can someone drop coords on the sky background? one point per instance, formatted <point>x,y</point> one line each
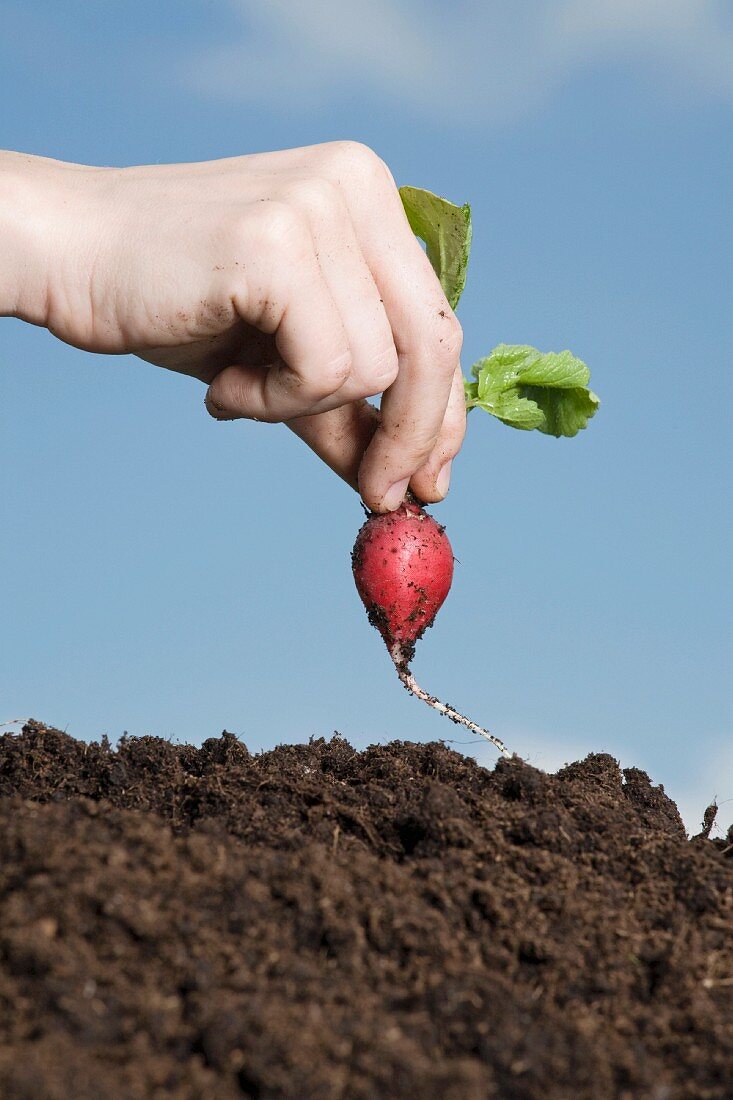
<point>162,573</point>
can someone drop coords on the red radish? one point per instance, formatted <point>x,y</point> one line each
<point>403,568</point>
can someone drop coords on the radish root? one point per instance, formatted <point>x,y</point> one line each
<point>403,671</point>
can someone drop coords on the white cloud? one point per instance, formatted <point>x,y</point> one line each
<point>482,60</point>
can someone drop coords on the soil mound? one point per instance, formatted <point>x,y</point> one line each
<point>316,922</point>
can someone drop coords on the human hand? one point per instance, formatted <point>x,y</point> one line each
<point>289,282</point>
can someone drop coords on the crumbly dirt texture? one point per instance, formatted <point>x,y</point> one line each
<point>316,922</point>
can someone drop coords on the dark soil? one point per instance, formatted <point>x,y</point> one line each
<point>320,923</point>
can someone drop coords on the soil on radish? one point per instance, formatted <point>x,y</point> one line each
<point>316,922</point>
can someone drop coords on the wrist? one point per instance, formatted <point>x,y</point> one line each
<point>37,231</point>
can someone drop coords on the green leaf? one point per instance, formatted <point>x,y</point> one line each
<point>559,370</point>
<point>446,230</point>
<point>518,384</point>
<point>526,389</point>
<point>565,411</point>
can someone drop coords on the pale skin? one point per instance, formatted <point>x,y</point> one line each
<point>289,283</point>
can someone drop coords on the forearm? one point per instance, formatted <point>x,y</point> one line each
<point>22,263</point>
<point>36,230</point>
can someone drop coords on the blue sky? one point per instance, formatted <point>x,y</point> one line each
<point>162,573</point>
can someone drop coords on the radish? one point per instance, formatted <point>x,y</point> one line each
<point>403,568</point>
<point>402,561</point>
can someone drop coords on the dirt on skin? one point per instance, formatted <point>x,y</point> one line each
<point>317,922</point>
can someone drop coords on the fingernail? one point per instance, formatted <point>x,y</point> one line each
<point>442,481</point>
<point>395,495</point>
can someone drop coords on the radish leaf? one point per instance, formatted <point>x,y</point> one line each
<point>527,389</point>
<point>446,230</point>
<point>517,384</point>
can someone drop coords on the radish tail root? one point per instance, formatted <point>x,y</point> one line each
<point>409,681</point>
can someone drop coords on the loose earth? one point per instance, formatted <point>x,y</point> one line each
<point>316,922</point>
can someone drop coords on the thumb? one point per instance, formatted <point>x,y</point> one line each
<point>340,437</point>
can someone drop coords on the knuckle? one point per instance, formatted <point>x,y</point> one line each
<point>446,340</point>
<point>283,226</point>
<point>359,160</point>
<point>318,196</point>
<point>414,441</point>
<point>455,332</point>
<point>333,373</point>
<point>446,449</point>
<point>451,333</point>
<point>382,371</point>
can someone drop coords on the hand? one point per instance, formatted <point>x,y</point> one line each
<point>289,282</point>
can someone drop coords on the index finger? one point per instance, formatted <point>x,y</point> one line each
<point>426,333</point>
<point>412,413</point>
